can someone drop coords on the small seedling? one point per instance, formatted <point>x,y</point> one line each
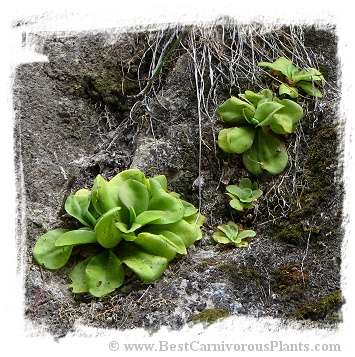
<point>259,119</point>
<point>244,195</point>
<point>229,234</point>
<point>134,221</point>
<point>294,78</point>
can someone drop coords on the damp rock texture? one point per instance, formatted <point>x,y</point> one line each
<point>101,104</point>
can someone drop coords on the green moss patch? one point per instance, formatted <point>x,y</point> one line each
<point>326,307</point>
<point>209,316</point>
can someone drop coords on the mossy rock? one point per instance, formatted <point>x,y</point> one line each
<point>289,278</point>
<point>209,316</point>
<point>325,308</point>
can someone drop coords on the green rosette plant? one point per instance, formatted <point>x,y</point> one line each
<point>229,234</point>
<point>134,221</point>
<point>295,78</point>
<point>259,119</point>
<point>244,195</point>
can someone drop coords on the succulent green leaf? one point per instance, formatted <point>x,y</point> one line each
<point>174,240</point>
<point>252,97</point>
<point>230,229</point>
<point>290,91</point>
<point>148,217</point>
<point>265,112</point>
<point>220,237</point>
<point>312,75</point>
<point>236,204</point>
<point>173,208</point>
<point>282,64</point>
<point>156,245</point>
<point>245,195</point>
<point>77,237</point>
<point>282,124</point>
<point>156,184</point>
<point>234,189</point>
<point>78,205</point>
<point>251,161</point>
<point>104,195</point>
<point>223,141</point>
<point>147,266</point>
<point>291,109</point>
<point>134,194</point>
<point>231,111</point>
<point>246,234</point>
<point>188,232</point>
<point>130,174</point>
<point>239,139</point>
<point>271,153</point>
<point>78,277</point>
<point>47,254</point>
<point>249,116</point>
<point>310,89</point>
<point>189,208</point>
<point>267,153</point>
<point>245,183</point>
<point>256,194</point>
<point>107,234</point>
<point>104,273</point>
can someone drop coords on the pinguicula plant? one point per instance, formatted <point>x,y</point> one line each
<point>132,220</point>
<point>294,78</point>
<point>244,195</point>
<point>229,234</point>
<point>258,120</point>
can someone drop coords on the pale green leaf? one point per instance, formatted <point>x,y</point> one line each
<point>104,273</point>
<point>47,254</point>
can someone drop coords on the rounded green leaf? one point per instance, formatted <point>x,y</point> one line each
<point>231,110</point>
<point>223,141</point>
<point>236,204</point>
<point>47,254</point>
<point>246,234</point>
<point>77,237</point>
<point>220,237</point>
<point>240,139</point>
<point>251,160</point>
<point>130,174</point>
<point>147,266</point>
<point>310,89</point>
<point>149,217</point>
<point>282,124</point>
<point>134,194</point>
<point>173,208</point>
<point>104,273</point>
<point>188,232</point>
<point>104,195</point>
<point>265,112</point>
<point>234,190</point>
<point>271,153</point>
<point>290,108</point>
<point>78,277</point>
<point>290,91</point>
<point>156,245</point>
<point>107,234</point>
<point>245,195</point>
<point>78,205</point>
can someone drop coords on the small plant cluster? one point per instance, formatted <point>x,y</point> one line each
<point>259,119</point>
<point>294,78</point>
<point>243,197</point>
<point>133,220</point>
